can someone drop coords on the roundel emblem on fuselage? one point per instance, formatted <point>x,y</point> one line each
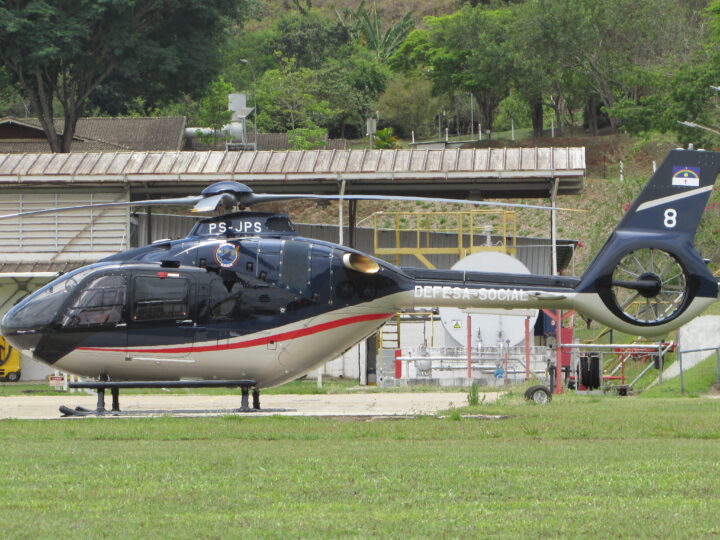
<point>226,255</point>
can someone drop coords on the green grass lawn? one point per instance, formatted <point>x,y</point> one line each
<point>599,466</point>
<point>696,381</point>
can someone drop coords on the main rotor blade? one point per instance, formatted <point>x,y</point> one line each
<point>253,198</point>
<point>181,201</point>
<point>224,202</point>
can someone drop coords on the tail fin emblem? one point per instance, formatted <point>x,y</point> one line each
<point>686,176</point>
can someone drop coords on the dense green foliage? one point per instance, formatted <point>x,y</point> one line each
<point>59,53</point>
<point>637,67</point>
<point>213,111</point>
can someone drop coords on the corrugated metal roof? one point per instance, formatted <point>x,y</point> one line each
<point>106,134</point>
<point>498,172</point>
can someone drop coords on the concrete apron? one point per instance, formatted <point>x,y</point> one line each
<point>360,404</point>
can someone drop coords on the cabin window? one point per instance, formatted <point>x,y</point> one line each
<point>157,298</point>
<point>100,302</point>
<point>224,301</point>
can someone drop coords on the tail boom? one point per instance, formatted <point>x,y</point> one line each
<point>647,279</point>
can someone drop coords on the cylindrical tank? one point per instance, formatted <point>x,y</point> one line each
<point>490,327</point>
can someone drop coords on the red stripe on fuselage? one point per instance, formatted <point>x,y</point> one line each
<point>283,336</point>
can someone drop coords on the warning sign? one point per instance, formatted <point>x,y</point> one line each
<point>57,381</point>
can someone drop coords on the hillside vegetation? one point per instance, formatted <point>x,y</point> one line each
<point>321,68</point>
<point>604,74</point>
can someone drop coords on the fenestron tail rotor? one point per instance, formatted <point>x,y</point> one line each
<point>649,286</point>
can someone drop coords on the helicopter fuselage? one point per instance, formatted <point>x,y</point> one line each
<point>243,296</point>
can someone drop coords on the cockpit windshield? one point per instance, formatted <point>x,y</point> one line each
<point>41,308</point>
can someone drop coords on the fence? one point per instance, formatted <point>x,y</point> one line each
<point>687,351</point>
<point>449,365</point>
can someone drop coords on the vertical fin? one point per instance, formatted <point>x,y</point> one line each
<point>664,217</point>
<point>674,199</point>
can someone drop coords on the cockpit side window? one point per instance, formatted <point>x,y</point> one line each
<point>156,298</point>
<point>100,302</point>
<point>43,306</point>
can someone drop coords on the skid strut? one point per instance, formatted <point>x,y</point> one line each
<point>115,386</point>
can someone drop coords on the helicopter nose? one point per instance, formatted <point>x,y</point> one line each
<point>20,332</point>
<point>21,339</point>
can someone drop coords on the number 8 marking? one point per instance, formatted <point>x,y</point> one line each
<point>670,218</point>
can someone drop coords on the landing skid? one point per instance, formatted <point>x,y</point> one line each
<point>115,386</point>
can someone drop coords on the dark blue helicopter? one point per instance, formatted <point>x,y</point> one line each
<point>243,296</point>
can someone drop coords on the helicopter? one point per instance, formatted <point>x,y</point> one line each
<point>244,297</point>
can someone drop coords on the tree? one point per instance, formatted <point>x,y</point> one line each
<point>257,48</point>
<point>214,112</point>
<point>366,27</point>
<point>544,75</point>
<point>385,139</point>
<point>61,51</point>
<point>351,84</point>
<point>309,38</point>
<point>676,87</point>
<point>408,105</point>
<point>467,51</point>
<point>611,44</point>
<point>11,102</point>
<point>307,138</point>
<point>287,99</point>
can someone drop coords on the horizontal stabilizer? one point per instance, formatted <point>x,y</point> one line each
<point>541,295</point>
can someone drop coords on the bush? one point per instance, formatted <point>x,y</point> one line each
<point>307,138</point>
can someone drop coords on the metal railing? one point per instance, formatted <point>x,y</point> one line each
<point>659,349</point>
<point>413,233</point>
<point>503,363</point>
<point>687,351</point>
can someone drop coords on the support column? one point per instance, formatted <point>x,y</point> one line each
<point>115,399</point>
<point>558,353</point>
<point>469,348</point>
<point>341,219</point>
<point>148,225</point>
<point>553,225</point>
<point>527,348</point>
<point>100,400</point>
<point>352,222</point>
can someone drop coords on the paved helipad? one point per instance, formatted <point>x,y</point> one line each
<point>359,404</point>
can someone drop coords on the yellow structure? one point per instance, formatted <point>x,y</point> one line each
<point>410,235</point>
<point>9,362</point>
<point>464,226</point>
